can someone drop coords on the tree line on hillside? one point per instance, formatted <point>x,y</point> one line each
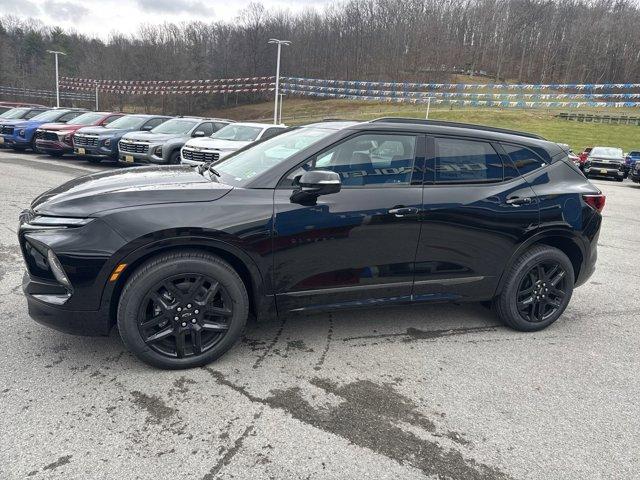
<point>531,41</point>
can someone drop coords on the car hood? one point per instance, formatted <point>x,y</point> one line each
<point>151,137</point>
<point>12,121</point>
<point>104,130</point>
<point>56,127</point>
<point>130,187</point>
<point>215,144</point>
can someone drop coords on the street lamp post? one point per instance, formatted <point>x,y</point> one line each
<point>275,106</point>
<point>56,53</point>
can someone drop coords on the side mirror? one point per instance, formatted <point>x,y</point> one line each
<point>146,128</point>
<point>198,133</point>
<point>315,183</point>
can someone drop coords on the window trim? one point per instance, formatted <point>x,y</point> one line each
<point>431,158</point>
<point>419,154</point>
<point>544,163</point>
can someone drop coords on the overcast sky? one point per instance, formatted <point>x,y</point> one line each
<point>101,17</point>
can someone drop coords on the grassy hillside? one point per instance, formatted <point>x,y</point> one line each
<point>540,121</point>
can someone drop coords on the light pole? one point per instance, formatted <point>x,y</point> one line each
<point>57,83</point>
<point>275,106</point>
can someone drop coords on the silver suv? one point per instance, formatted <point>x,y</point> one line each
<point>162,144</point>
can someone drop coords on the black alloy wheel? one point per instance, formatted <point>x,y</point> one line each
<point>542,291</point>
<point>537,289</point>
<point>182,309</point>
<point>185,315</point>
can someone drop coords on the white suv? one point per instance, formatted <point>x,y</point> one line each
<point>226,141</point>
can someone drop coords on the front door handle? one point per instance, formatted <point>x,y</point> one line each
<point>519,201</point>
<point>403,211</point>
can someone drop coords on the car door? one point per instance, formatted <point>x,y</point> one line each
<point>356,246</point>
<point>476,210</point>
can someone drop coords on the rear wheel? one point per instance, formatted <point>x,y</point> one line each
<point>537,289</point>
<point>182,309</point>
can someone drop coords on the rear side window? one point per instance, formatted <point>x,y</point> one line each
<point>466,161</point>
<point>524,159</point>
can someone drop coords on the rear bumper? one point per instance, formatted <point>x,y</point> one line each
<point>43,307</point>
<point>604,172</point>
<point>50,146</point>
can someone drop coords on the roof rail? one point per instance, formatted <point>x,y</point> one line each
<point>443,123</point>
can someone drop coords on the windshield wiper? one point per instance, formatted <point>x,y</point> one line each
<point>208,167</point>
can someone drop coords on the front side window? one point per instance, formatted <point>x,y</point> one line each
<point>176,126</point>
<point>32,114</point>
<point>466,161</point>
<point>69,116</point>
<point>368,159</point>
<point>206,127</point>
<point>523,158</point>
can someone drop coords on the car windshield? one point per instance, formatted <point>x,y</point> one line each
<point>241,167</point>
<point>49,115</point>
<point>634,154</point>
<point>86,118</point>
<point>606,152</point>
<point>178,126</point>
<point>237,133</point>
<point>14,113</point>
<point>128,121</point>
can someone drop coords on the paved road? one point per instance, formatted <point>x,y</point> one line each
<point>415,392</point>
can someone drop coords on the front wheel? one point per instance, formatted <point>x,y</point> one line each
<point>182,309</point>
<point>174,159</point>
<point>537,289</point>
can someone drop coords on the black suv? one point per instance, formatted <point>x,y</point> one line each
<point>326,216</point>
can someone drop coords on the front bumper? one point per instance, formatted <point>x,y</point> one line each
<point>52,146</point>
<point>95,152</point>
<point>44,307</point>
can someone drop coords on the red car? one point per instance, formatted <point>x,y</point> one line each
<point>56,139</point>
<point>583,155</point>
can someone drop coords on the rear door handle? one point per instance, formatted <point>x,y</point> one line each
<point>403,211</point>
<point>519,201</point>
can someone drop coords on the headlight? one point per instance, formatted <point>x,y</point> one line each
<point>157,151</point>
<point>21,132</point>
<point>107,142</point>
<point>57,270</point>
<point>59,222</point>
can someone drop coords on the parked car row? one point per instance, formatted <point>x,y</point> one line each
<point>609,162</point>
<point>127,138</point>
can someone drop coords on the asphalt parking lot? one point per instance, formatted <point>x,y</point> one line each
<point>440,391</point>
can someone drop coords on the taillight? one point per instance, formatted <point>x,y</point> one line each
<point>595,201</point>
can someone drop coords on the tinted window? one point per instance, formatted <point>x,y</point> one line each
<point>524,159</point>
<point>466,161</point>
<point>154,122</point>
<point>69,116</point>
<point>271,132</point>
<point>218,125</point>
<point>370,159</point>
<point>33,113</point>
<point>206,127</point>
<point>111,119</point>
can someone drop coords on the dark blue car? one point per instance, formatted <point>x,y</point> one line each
<point>16,115</point>
<point>21,135</point>
<point>100,143</point>
<point>631,159</point>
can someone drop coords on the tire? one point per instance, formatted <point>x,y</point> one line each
<point>55,154</point>
<point>217,332</point>
<point>94,160</point>
<point>533,313</point>
<point>174,159</point>
<point>620,179</point>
